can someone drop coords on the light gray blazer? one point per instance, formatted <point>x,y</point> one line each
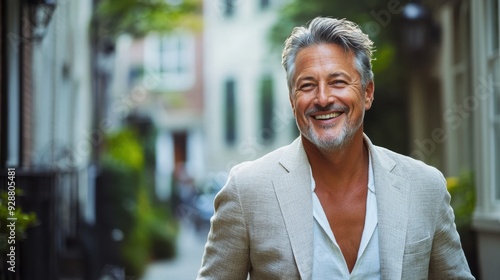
<point>263,221</point>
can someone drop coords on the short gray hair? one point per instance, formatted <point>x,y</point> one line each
<point>331,31</point>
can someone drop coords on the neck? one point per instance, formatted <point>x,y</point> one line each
<point>338,168</point>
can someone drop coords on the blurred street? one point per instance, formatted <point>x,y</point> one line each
<point>185,265</point>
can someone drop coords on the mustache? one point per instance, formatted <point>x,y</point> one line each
<point>331,107</point>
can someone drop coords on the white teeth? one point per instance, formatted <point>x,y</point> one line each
<point>328,116</point>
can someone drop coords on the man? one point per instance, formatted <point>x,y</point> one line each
<point>331,205</point>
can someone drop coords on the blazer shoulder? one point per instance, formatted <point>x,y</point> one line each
<point>265,166</point>
<point>409,167</point>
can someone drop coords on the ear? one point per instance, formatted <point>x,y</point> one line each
<point>369,95</point>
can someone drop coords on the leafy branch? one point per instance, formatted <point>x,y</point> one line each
<point>23,222</point>
<point>139,17</point>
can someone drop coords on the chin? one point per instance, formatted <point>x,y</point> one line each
<point>331,141</point>
<point>328,142</point>
<point>331,145</point>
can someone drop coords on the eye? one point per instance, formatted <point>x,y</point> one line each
<point>339,83</point>
<point>306,86</point>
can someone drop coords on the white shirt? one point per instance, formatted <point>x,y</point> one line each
<point>328,262</point>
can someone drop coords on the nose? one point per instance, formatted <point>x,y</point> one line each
<point>324,96</point>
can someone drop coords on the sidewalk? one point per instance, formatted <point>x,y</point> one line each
<point>190,245</point>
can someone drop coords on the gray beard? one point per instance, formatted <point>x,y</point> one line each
<point>336,143</point>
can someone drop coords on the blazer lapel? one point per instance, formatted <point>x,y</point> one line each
<point>294,194</point>
<point>392,202</point>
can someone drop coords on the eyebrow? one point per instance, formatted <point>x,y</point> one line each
<point>339,74</point>
<point>330,76</point>
<point>306,78</point>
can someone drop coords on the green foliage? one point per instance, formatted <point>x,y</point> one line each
<point>138,17</point>
<point>127,167</point>
<point>152,237</point>
<point>123,150</point>
<point>23,222</point>
<point>463,197</point>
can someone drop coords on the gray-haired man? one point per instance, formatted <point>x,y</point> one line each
<point>332,205</point>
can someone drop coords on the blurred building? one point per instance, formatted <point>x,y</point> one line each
<point>162,75</point>
<point>247,110</point>
<point>455,104</point>
<point>46,130</point>
<point>217,97</point>
<point>484,102</point>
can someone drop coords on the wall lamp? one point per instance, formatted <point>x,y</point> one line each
<point>41,14</point>
<point>419,31</point>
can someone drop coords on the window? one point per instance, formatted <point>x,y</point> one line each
<point>493,24</point>
<point>173,58</point>
<point>494,81</point>
<point>229,7</point>
<point>230,111</point>
<point>176,61</point>
<point>496,136</point>
<point>264,4</point>
<point>135,72</point>
<point>266,109</point>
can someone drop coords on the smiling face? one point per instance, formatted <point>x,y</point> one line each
<point>327,98</point>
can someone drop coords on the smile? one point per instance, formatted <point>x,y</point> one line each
<point>327,116</point>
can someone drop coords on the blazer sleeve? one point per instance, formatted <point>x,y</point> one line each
<point>226,253</point>
<point>447,257</point>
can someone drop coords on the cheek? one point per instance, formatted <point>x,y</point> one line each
<point>361,102</point>
<point>356,107</point>
<point>299,105</point>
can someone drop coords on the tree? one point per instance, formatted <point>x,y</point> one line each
<point>139,17</point>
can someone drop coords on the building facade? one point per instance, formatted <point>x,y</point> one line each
<point>162,73</point>
<point>460,93</point>
<point>247,109</point>
<point>485,103</point>
<point>45,133</point>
